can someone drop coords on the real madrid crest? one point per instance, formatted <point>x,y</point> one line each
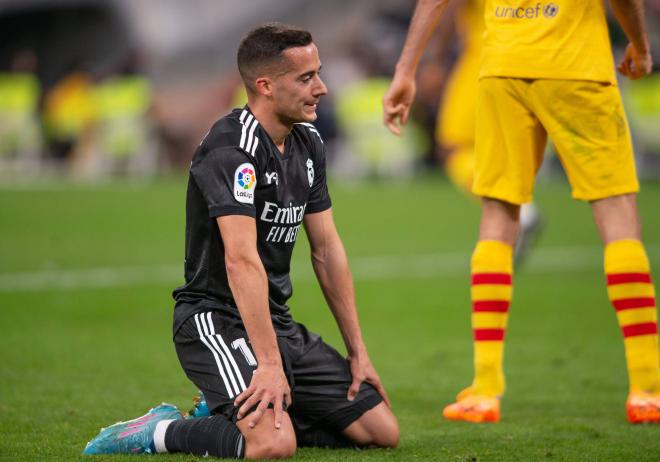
<point>310,172</point>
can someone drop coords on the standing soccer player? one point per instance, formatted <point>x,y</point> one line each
<point>271,384</point>
<point>458,111</point>
<point>547,69</point>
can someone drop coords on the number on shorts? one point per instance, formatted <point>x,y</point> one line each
<point>241,344</point>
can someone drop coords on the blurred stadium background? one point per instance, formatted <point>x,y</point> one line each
<point>93,88</point>
<point>101,106</point>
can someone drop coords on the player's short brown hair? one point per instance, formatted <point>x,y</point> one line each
<point>261,50</point>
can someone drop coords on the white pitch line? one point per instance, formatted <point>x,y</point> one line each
<point>386,267</point>
<point>88,278</point>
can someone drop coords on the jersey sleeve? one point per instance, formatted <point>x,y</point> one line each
<point>319,197</point>
<point>227,178</point>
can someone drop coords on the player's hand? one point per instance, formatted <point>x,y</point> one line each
<point>363,371</point>
<point>268,385</point>
<point>397,102</point>
<point>635,65</point>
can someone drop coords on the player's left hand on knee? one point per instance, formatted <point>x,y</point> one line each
<point>363,370</point>
<point>268,386</point>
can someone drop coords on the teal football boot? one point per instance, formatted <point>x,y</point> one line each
<point>133,436</point>
<point>200,409</point>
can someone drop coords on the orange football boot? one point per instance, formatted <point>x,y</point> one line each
<point>473,408</point>
<point>643,407</point>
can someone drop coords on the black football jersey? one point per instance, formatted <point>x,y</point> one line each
<point>238,170</point>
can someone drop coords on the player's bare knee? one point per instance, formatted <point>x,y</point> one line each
<point>265,441</point>
<point>387,435</point>
<point>285,445</point>
<point>377,427</point>
<point>500,221</point>
<point>393,437</point>
<point>278,444</point>
<point>617,218</point>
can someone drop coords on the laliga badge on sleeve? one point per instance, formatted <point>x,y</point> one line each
<point>245,181</point>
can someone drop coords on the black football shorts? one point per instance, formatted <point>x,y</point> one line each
<point>216,355</point>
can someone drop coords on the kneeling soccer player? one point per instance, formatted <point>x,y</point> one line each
<point>271,384</point>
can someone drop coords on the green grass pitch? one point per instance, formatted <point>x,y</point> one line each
<point>86,274</point>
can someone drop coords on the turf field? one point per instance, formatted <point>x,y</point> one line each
<point>86,274</point>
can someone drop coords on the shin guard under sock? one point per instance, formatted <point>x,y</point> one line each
<point>215,436</point>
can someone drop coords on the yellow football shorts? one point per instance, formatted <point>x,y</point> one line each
<point>585,121</point>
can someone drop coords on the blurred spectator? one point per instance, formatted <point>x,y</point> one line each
<point>642,98</point>
<point>359,112</point>
<point>20,137</point>
<point>68,114</point>
<point>366,147</point>
<point>123,136</point>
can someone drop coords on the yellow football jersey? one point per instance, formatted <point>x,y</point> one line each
<point>562,39</point>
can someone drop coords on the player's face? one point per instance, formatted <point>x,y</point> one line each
<point>297,91</point>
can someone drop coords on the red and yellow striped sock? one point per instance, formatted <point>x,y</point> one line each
<point>491,295</point>
<point>631,291</point>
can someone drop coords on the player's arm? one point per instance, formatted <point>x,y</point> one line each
<point>637,61</point>
<point>401,93</point>
<point>249,286</point>
<point>333,273</point>
<point>442,41</point>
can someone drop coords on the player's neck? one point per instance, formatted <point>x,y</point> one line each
<point>274,126</point>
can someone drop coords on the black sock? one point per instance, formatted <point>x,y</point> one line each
<point>214,436</point>
<point>319,437</point>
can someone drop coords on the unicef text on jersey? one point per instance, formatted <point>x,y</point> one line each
<point>549,10</point>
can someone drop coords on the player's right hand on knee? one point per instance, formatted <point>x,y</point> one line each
<point>268,386</point>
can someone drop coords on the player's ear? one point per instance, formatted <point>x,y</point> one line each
<point>264,86</point>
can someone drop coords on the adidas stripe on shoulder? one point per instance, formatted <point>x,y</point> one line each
<point>312,129</point>
<point>249,141</point>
